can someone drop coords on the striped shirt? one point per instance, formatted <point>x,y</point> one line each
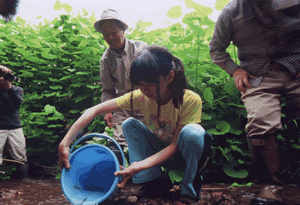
<point>115,69</point>
<point>262,35</point>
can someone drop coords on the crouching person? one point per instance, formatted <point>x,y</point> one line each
<point>172,138</point>
<point>11,132</point>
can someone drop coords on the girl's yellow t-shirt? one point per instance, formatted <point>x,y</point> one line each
<point>188,113</point>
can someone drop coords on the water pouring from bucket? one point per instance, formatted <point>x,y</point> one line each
<point>91,179</point>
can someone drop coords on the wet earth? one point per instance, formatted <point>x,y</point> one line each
<point>40,191</point>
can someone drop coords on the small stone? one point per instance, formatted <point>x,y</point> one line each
<point>132,199</point>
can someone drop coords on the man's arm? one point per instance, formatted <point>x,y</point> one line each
<point>108,87</point>
<point>220,41</point>
<point>11,98</point>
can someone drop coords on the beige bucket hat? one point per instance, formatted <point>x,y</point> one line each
<point>109,14</point>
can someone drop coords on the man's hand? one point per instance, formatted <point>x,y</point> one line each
<point>240,77</point>
<point>109,120</point>
<point>298,76</point>
<point>129,172</point>
<point>63,154</point>
<point>4,84</point>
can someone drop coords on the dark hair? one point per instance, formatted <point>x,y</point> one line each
<point>9,9</point>
<point>156,61</point>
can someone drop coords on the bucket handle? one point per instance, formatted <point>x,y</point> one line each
<point>99,136</point>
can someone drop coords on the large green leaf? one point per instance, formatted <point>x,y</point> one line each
<point>202,11</point>
<point>56,87</point>
<point>223,126</point>
<point>67,7</point>
<point>176,175</point>
<point>208,95</point>
<point>34,43</point>
<point>230,88</point>
<point>58,5</point>
<point>174,12</point>
<point>83,43</point>
<point>220,4</point>
<point>92,20</point>
<point>26,73</point>
<point>48,56</point>
<point>82,97</point>
<point>231,171</point>
<point>205,116</point>
<point>49,109</point>
<point>93,86</point>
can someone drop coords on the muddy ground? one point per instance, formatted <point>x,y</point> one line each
<point>40,191</point>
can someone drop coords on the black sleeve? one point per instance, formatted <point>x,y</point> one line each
<point>11,98</point>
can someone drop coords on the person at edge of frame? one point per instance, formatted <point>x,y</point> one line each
<point>114,69</point>
<point>173,138</point>
<point>11,132</point>
<point>266,34</point>
<point>8,9</point>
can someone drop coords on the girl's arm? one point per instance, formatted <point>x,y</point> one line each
<point>157,159</point>
<point>84,120</point>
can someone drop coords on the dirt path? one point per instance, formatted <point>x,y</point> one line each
<point>48,191</point>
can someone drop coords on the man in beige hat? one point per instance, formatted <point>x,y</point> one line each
<point>115,67</point>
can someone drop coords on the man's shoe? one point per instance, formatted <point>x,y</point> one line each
<point>156,188</point>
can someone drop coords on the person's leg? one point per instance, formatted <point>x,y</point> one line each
<point>3,138</point>
<point>17,148</point>
<point>264,120</point>
<point>191,145</point>
<point>142,143</point>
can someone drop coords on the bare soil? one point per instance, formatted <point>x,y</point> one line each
<point>40,191</point>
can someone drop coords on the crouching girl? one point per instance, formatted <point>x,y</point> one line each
<point>172,137</point>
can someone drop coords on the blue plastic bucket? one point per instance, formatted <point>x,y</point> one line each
<point>91,179</point>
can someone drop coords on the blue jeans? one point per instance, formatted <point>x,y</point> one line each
<point>143,143</point>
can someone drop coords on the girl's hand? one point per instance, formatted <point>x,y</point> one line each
<point>129,172</point>
<point>108,118</point>
<point>63,154</point>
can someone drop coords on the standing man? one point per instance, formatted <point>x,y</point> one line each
<point>10,99</point>
<point>11,132</point>
<point>115,67</point>
<point>267,35</point>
